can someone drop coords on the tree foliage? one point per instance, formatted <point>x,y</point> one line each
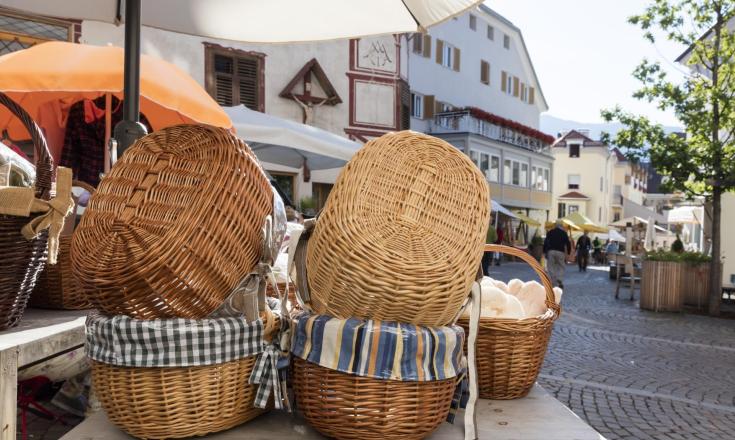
<point>704,102</point>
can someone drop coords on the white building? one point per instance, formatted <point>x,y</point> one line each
<point>473,84</point>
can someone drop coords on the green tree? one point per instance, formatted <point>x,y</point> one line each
<point>703,162</point>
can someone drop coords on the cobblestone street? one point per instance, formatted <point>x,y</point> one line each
<point>633,374</point>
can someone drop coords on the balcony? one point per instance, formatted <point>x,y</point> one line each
<point>492,127</point>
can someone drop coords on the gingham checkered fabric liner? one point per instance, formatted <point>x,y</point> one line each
<point>123,341</point>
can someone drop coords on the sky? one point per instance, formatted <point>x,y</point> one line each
<point>584,52</point>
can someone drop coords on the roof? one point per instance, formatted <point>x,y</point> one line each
<point>619,154</point>
<point>510,24</point>
<point>685,54</point>
<point>574,195</point>
<point>574,134</point>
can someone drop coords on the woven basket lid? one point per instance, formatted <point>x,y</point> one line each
<point>175,225</point>
<point>401,235</point>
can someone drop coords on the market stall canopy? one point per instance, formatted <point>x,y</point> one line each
<point>263,21</point>
<point>584,223</point>
<point>280,141</point>
<point>567,225</point>
<point>614,235</point>
<point>65,73</point>
<point>528,220</point>
<point>497,207</point>
<point>684,215</point>
<point>622,223</point>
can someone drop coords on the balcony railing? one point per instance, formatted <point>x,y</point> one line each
<point>463,121</point>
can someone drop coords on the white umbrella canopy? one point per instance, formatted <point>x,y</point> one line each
<point>264,21</point>
<point>614,235</point>
<point>280,141</point>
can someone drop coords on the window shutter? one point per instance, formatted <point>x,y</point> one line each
<point>516,86</point>
<point>531,95</point>
<point>247,73</point>
<point>428,106</point>
<point>456,60</point>
<point>504,81</point>
<point>439,51</point>
<point>418,39</point>
<point>223,91</point>
<point>427,46</point>
<point>405,97</point>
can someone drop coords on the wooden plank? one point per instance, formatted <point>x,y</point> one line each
<point>537,416</point>
<point>661,286</point>
<point>8,393</point>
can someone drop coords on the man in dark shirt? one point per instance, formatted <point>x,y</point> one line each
<point>583,252</point>
<point>556,248</point>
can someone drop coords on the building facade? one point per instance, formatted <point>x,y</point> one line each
<point>473,84</point>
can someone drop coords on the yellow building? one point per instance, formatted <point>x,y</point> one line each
<point>597,181</point>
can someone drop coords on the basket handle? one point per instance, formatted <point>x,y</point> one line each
<point>528,259</point>
<point>84,185</point>
<point>44,162</point>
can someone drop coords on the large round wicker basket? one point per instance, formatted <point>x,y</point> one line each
<point>174,227</point>
<point>23,260</point>
<point>510,352</point>
<point>178,402</point>
<point>349,407</point>
<point>401,234</point>
<point>56,287</point>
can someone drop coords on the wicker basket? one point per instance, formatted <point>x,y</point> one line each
<point>23,260</point>
<point>510,352</point>
<point>158,403</point>
<point>56,287</point>
<point>175,225</point>
<point>344,406</point>
<point>404,225</point>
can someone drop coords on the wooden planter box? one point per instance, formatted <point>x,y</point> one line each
<point>695,285</point>
<point>662,286</point>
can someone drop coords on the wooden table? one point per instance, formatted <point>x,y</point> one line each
<point>537,416</point>
<point>41,335</point>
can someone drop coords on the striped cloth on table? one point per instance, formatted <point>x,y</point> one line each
<point>379,349</point>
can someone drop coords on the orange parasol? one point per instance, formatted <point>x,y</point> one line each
<point>64,73</point>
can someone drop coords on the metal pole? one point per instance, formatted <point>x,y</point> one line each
<point>130,129</point>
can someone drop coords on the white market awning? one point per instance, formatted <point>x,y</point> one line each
<point>280,141</point>
<point>497,207</point>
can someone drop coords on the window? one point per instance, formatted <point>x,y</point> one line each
<point>602,183</point>
<point>285,181</point>
<point>490,32</point>
<point>562,210</point>
<point>484,72</point>
<point>474,157</point>
<point>447,55</point>
<point>516,173</point>
<point>506,84</point>
<point>418,43</point>
<point>573,181</point>
<point>616,216</point>
<point>417,105</point>
<point>235,77</point>
<point>540,178</point>
<point>547,180</point>
<point>617,190</point>
<point>506,41</point>
<point>524,175</point>
<point>506,172</point>
<point>627,179</point>
<point>573,150</point>
<point>484,163</point>
<point>20,31</point>
<point>473,22</point>
<point>494,174</point>
<point>572,209</point>
<point>599,214</point>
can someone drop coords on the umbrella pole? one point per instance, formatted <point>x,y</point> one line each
<point>108,131</point>
<point>130,129</point>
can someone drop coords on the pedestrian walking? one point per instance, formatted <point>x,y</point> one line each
<point>500,236</point>
<point>487,257</point>
<point>556,247</point>
<point>583,251</point>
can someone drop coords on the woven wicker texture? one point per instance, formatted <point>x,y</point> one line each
<point>157,403</point>
<point>56,287</point>
<point>343,406</point>
<point>22,260</point>
<point>401,233</point>
<point>174,227</point>
<point>510,352</point>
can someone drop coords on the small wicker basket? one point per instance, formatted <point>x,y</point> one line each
<point>510,352</point>
<point>56,287</point>
<point>401,233</point>
<point>175,225</point>
<point>23,260</point>
<point>349,407</point>
<point>177,402</point>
